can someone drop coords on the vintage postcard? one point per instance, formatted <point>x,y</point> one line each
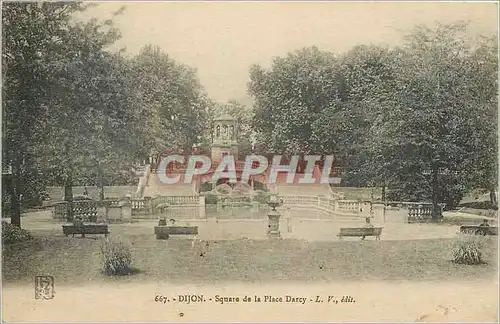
<point>249,161</point>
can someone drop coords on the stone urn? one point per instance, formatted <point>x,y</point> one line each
<point>273,229</point>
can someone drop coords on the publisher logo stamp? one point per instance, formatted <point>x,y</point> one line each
<point>44,287</point>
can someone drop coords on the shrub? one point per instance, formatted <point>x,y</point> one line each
<point>211,199</point>
<point>468,249</point>
<point>205,187</point>
<point>13,234</point>
<point>116,258</point>
<point>480,205</point>
<point>261,196</point>
<point>259,186</point>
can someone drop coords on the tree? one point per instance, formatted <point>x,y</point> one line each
<point>290,96</point>
<point>418,118</point>
<point>31,34</point>
<point>483,169</point>
<point>426,137</point>
<point>173,103</point>
<point>64,97</point>
<point>316,103</point>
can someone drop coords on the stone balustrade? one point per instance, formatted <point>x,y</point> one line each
<point>300,200</point>
<point>175,206</point>
<point>88,210</point>
<point>323,205</point>
<point>349,206</point>
<point>420,212</point>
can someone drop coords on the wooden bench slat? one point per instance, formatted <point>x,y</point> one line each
<point>482,230</point>
<point>360,232</point>
<point>165,231</point>
<point>70,229</point>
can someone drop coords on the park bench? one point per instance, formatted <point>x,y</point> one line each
<point>360,232</point>
<point>163,232</point>
<point>479,230</point>
<point>83,229</point>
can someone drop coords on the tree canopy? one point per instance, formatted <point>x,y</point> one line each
<point>419,118</point>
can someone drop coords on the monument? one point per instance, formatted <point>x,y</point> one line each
<point>225,140</point>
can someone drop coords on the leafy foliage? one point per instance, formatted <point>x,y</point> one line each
<point>418,118</point>
<point>468,249</point>
<point>211,198</point>
<point>116,258</point>
<point>13,234</point>
<point>76,113</point>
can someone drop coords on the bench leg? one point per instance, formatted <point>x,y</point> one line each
<point>73,235</point>
<point>83,235</point>
<point>363,238</point>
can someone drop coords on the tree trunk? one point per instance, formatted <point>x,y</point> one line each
<point>100,182</point>
<point>436,212</point>
<point>15,217</point>
<point>68,196</point>
<point>493,197</point>
<point>15,203</point>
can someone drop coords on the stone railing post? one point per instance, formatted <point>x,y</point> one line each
<point>201,206</point>
<point>255,206</point>
<point>102,211</point>
<point>126,210</point>
<point>148,205</point>
<point>147,173</point>
<point>220,204</point>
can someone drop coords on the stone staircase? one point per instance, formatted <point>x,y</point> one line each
<point>155,188</point>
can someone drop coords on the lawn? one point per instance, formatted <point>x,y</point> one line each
<point>76,260</point>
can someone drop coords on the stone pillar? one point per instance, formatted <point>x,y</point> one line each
<point>114,214</point>
<point>201,207</point>
<point>126,210</point>
<point>148,205</point>
<point>255,206</point>
<point>221,204</point>
<point>102,211</point>
<point>289,224</point>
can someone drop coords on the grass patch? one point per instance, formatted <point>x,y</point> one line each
<point>73,260</point>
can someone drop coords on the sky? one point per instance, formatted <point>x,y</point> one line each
<point>223,39</point>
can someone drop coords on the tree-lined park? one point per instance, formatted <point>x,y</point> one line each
<point>418,120</point>
<point>412,126</point>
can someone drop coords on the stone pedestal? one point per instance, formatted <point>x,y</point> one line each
<point>114,214</point>
<point>102,213</point>
<point>274,224</point>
